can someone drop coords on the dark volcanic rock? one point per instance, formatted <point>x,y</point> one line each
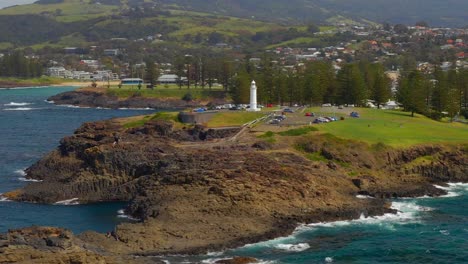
<point>93,98</point>
<point>193,194</point>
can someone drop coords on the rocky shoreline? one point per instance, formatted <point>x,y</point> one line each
<point>92,97</point>
<point>195,190</point>
<point>14,84</point>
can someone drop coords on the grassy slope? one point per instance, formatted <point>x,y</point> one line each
<point>71,10</point>
<point>221,119</point>
<point>393,128</point>
<point>162,92</point>
<point>235,118</point>
<point>188,22</point>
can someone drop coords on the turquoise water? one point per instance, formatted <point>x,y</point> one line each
<point>29,128</point>
<point>426,230</point>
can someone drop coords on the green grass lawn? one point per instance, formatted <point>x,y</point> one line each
<point>234,118</point>
<point>297,41</point>
<point>71,10</point>
<point>162,92</point>
<point>138,121</point>
<point>394,128</point>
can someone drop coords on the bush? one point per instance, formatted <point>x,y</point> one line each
<point>436,115</point>
<point>464,112</point>
<point>298,131</point>
<point>187,97</point>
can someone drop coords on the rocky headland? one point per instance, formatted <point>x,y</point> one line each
<point>14,84</point>
<point>100,97</point>
<point>196,189</point>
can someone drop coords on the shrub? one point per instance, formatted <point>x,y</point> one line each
<point>187,97</point>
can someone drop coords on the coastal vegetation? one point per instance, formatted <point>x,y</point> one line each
<point>165,92</point>
<point>226,119</point>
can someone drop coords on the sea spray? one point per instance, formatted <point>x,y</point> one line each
<point>73,201</point>
<point>17,104</point>
<point>121,214</point>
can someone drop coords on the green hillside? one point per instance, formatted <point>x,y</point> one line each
<point>81,23</point>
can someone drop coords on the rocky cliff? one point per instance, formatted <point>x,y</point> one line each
<point>194,190</point>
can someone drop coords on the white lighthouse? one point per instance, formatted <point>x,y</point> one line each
<point>253,97</point>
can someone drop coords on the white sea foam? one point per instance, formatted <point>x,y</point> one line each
<point>127,108</point>
<point>215,254</point>
<point>17,104</point>
<point>20,172</point>
<point>360,196</point>
<point>23,179</point>
<point>20,109</point>
<point>73,106</point>
<point>50,102</point>
<point>4,199</point>
<point>453,189</point>
<point>444,232</point>
<point>121,214</point>
<point>214,260</point>
<point>73,201</point>
<point>407,212</point>
<point>293,247</point>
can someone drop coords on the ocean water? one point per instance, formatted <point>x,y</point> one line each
<point>425,230</point>
<point>30,127</point>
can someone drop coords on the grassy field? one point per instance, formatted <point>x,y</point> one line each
<point>394,128</point>
<point>137,121</point>
<point>195,22</point>
<point>221,119</point>
<point>234,118</point>
<point>71,10</point>
<point>162,92</point>
<point>297,41</point>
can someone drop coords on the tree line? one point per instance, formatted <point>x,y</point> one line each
<point>17,65</point>
<point>318,82</point>
<point>434,94</point>
<point>313,83</point>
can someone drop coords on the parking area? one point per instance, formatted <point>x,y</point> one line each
<point>288,117</point>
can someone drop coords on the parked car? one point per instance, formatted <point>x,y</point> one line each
<point>199,110</point>
<point>354,114</point>
<point>288,110</point>
<point>319,120</point>
<point>326,105</point>
<point>309,114</point>
<point>280,117</point>
<point>275,121</point>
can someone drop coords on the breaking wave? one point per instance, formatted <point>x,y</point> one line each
<point>20,172</point>
<point>17,104</point>
<point>4,199</point>
<point>293,247</point>
<point>20,109</point>
<point>121,214</point>
<point>73,201</point>
<point>454,189</point>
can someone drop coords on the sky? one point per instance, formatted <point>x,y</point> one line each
<point>5,3</point>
